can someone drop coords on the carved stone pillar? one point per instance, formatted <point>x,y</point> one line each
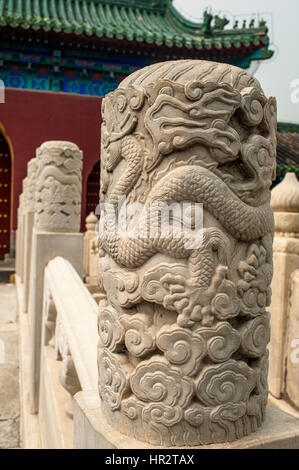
<point>68,377</point>
<point>28,227</point>
<point>21,224</point>
<point>32,167</point>
<point>57,214</point>
<point>183,330</point>
<point>58,191</point>
<point>19,235</point>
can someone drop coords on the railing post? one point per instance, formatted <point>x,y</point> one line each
<point>57,213</point>
<point>19,235</point>
<point>90,233</point>
<point>28,228</point>
<point>184,327</point>
<point>285,204</point>
<point>21,229</point>
<point>68,352</point>
<point>292,344</point>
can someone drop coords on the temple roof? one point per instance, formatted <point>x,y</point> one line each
<point>285,127</point>
<point>288,148</point>
<point>145,21</point>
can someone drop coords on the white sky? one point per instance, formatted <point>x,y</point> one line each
<point>276,74</point>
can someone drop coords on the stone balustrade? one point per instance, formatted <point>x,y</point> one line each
<point>91,257</point>
<point>69,351</point>
<point>48,226</point>
<point>173,351</point>
<point>24,230</point>
<point>28,229</point>
<point>57,215</point>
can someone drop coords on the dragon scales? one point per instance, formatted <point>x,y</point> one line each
<point>183,327</point>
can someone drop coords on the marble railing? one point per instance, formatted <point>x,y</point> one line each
<point>68,352</point>
<point>48,225</point>
<point>165,345</point>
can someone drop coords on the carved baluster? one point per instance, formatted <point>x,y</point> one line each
<point>50,319</point>
<point>32,168</point>
<point>67,376</point>
<point>58,189</point>
<point>54,335</point>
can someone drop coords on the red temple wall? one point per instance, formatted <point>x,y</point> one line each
<point>29,118</point>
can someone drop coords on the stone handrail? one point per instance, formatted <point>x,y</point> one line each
<point>78,313</point>
<point>68,351</point>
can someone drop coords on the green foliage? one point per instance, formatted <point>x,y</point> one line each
<point>287,127</point>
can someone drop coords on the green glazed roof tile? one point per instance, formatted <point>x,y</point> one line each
<point>148,21</point>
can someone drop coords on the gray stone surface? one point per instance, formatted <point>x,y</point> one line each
<point>9,369</point>
<point>9,434</point>
<point>9,392</point>
<point>280,430</point>
<point>8,305</point>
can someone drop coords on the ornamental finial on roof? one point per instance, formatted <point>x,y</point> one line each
<point>220,23</point>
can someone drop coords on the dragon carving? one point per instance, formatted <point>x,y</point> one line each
<point>202,133</point>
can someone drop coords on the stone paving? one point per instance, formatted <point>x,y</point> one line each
<point>9,369</point>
